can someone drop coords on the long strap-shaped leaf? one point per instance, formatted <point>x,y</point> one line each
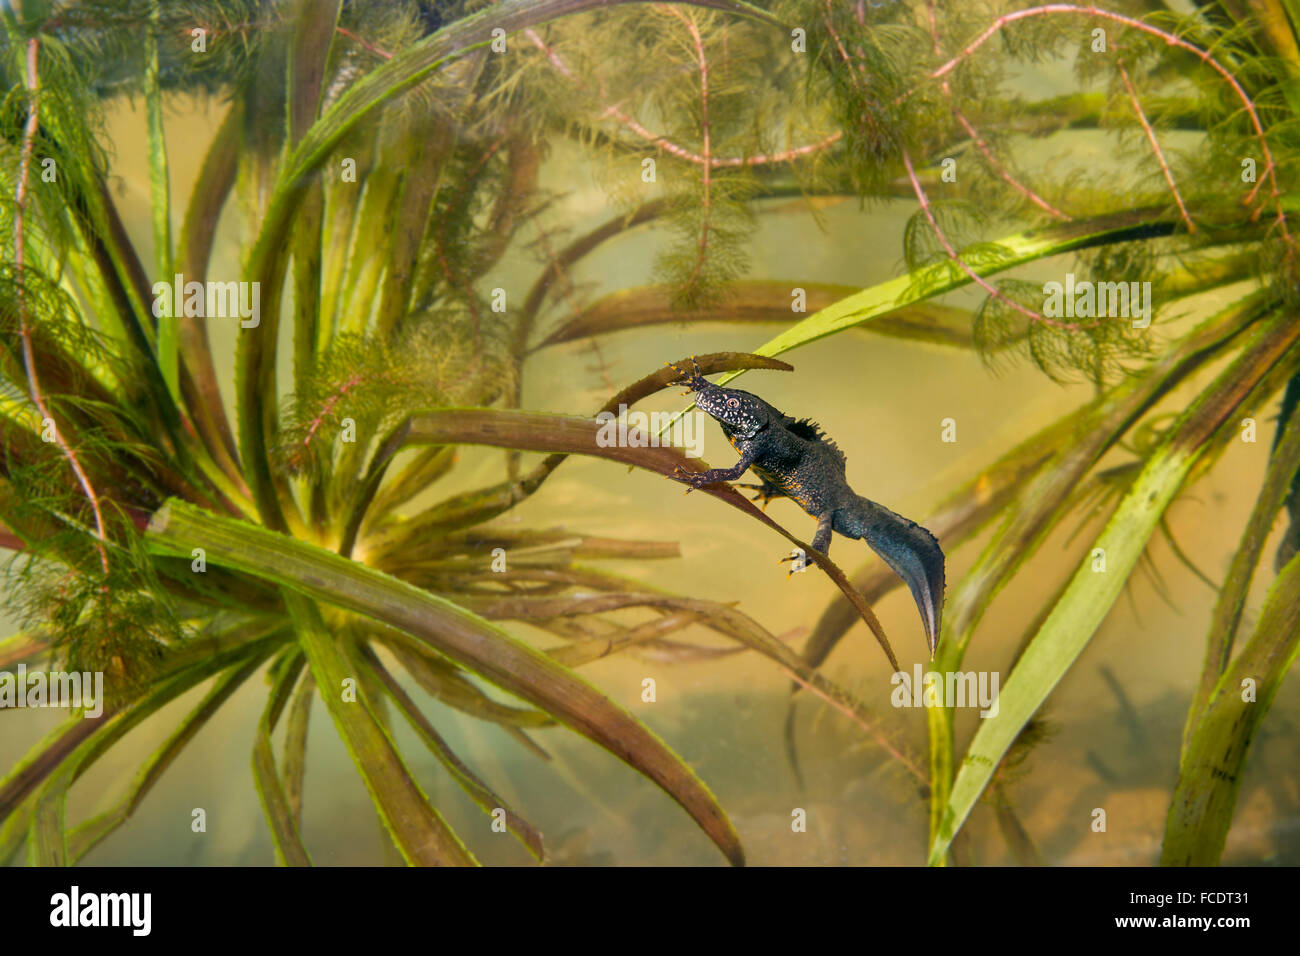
<point>160,197</point>
<point>1223,718</point>
<point>565,435</point>
<point>418,830</point>
<point>88,835</point>
<point>1231,604</point>
<point>1089,596</point>
<point>1212,767</point>
<point>285,835</point>
<point>49,838</point>
<point>478,791</point>
<point>227,646</point>
<point>886,298</point>
<point>466,638</point>
<point>1046,495</point>
<point>761,301</point>
<point>295,746</point>
<point>255,360</point>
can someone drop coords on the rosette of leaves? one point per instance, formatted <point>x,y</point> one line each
<point>385,156</point>
<point>171,547</point>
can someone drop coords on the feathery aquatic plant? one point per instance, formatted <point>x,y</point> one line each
<point>385,157</point>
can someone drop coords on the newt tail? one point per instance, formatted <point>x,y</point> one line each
<point>795,460</point>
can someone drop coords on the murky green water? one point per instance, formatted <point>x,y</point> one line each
<point>883,401</point>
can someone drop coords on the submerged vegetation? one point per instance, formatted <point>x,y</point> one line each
<point>385,159</point>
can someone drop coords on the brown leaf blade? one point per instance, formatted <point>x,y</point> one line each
<point>565,435</point>
<point>304,569</point>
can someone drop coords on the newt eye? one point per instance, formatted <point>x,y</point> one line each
<point>733,403</point>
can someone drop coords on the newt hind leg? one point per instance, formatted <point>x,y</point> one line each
<point>821,542</point>
<point>822,539</point>
<point>766,491</point>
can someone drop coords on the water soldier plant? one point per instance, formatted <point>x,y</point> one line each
<point>387,159</point>
<point>156,547</point>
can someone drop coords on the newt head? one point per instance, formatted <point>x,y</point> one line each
<point>740,413</point>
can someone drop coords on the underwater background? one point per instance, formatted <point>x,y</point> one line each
<point>1111,727</point>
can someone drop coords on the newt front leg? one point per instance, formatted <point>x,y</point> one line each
<point>697,479</point>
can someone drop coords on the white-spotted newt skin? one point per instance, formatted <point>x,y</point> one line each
<point>795,460</point>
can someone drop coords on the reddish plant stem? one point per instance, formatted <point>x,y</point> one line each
<point>20,265</point>
<point>342,31</point>
<point>1171,39</point>
<point>183,34</point>
<point>974,276</point>
<point>328,406</point>
<point>882,740</point>
<point>440,243</point>
<point>706,168</point>
<point>978,140</point>
<point>854,69</point>
<point>857,72</point>
<point>1155,144</point>
<point>998,168</point>
<point>668,146</point>
<point>784,156</point>
<point>566,286</point>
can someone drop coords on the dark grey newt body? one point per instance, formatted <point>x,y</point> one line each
<point>795,460</point>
